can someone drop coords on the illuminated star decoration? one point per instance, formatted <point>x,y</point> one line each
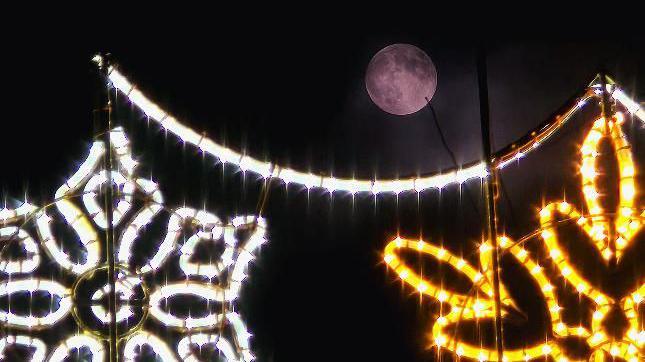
<point>139,203</point>
<point>605,228</point>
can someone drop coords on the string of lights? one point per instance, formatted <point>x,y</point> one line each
<point>217,282</point>
<point>332,184</point>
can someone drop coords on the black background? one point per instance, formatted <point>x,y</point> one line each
<point>295,95</point>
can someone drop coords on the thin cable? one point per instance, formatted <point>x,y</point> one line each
<point>509,203</point>
<point>441,135</point>
<point>470,197</point>
<point>502,188</point>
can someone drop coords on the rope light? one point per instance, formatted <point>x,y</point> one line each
<point>332,184</point>
<point>39,348</point>
<point>94,346</point>
<point>139,204</point>
<point>31,286</point>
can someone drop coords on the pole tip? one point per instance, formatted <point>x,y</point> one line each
<point>101,59</point>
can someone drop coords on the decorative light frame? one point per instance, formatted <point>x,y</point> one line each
<point>219,282</point>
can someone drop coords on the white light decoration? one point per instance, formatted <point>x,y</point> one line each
<point>11,215</point>
<point>94,347</point>
<point>200,340</point>
<point>22,265</point>
<point>627,221</point>
<point>74,217</point>
<point>92,193</point>
<point>200,290</point>
<point>330,184</point>
<point>241,335</point>
<point>211,231</point>
<point>39,348</point>
<point>141,338</point>
<point>154,202</point>
<point>124,290</point>
<point>31,286</point>
<point>76,203</point>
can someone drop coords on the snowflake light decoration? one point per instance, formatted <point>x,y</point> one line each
<point>617,229</point>
<point>143,300</point>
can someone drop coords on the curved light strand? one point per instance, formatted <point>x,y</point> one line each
<point>85,184</point>
<point>141,338</point>
<point>463,307</point>
<point>26,264</point>
<point>331,184</point>
<point>31,261</point>
<point>287,175</point>
<point>176,224</point>
<point>240,334</point>
<point>31,286</point>
<point>94,346</point>
<point>211,230</point>
<point>125,289</point>
<point>74,217</point>
<point>39,348</point>
<point>211,293</point>
<point>597,225</point>
<point>153,204</point>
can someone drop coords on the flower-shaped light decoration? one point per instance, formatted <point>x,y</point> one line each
<point>611,232</point>
<point>144,302</point>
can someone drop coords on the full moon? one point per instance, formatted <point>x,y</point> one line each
<point>399,78</point>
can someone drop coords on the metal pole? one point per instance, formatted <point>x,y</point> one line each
<point>489,195</point>
<point>105,112</point>
<point>607,114</point>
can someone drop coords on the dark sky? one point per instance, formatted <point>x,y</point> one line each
<point>318,290</point>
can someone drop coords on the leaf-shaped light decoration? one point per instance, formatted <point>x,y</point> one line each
<point>608,231</point>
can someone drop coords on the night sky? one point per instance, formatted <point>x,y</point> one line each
<point>319,290</point>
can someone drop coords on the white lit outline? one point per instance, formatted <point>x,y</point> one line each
<point>331,184</point>
<point>84,184</point>
<point>39,348</point>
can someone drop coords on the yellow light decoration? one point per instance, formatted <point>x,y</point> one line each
<point>597,224</point>
<point>480,306</point>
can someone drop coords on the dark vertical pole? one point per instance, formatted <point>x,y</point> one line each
<point>104,111</point>
<point>607,114</point>
<point>489,194</point>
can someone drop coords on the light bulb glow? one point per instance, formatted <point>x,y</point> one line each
<point>597,225</point>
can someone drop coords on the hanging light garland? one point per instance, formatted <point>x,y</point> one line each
<point>331,184</point>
